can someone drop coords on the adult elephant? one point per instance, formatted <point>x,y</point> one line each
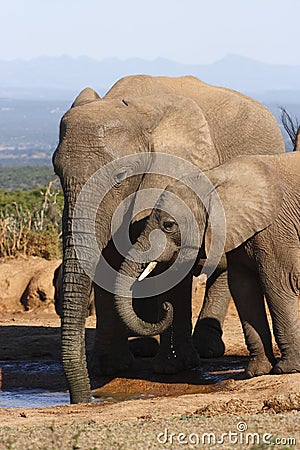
<point>184,117</point>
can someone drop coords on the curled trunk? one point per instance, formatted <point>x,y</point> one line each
<point>131,270</point>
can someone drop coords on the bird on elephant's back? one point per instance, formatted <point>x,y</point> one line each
<point>119,136</point>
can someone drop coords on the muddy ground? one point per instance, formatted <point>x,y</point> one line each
<point>211,407</point>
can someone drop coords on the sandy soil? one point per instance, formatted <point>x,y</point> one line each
<point>174,411</point>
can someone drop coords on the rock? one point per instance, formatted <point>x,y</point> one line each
<point>26,284</point>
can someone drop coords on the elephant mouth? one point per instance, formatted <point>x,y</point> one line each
<point>187,256</point>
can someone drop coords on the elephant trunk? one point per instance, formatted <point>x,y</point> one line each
<point>128,274</point>
<point>79,264</point>
<point>76,289</point>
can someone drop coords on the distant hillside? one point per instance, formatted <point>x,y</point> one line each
<point>26,178</point>
<point>29,129</point>
<point>35,94</point>
<point>63,77</point>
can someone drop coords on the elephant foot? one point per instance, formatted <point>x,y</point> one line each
<point>207,338</point>
<point>112,362</point>
<point>174,360</point>
<point>286,366</point>
<point>258,367</point>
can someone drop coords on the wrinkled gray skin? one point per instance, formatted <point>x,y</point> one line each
<point>260,196</point>
<point>185,117</point>
<point>58,293</point>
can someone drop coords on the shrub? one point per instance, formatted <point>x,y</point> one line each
<point>30,222</point>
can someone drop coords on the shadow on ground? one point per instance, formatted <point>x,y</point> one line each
<point>30,358</point>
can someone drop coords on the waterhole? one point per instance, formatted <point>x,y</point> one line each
<point>38,384</point>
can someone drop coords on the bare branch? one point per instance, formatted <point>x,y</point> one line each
<point>292,127</point>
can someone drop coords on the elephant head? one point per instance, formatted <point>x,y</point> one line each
<point>98,134</point>
<point>229,204</point>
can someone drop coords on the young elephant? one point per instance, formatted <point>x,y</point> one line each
<point>260,198</point>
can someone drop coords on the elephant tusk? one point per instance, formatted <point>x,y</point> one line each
<point>151,266</point>
<point>202,278</point>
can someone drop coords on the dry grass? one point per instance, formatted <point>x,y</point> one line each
<point>31,232</point>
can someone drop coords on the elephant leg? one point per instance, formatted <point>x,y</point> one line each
<point>248,296</point>
<point>207,336</point>
<point>176,351</point>
<point>283,306</point>
<point>111,352</point>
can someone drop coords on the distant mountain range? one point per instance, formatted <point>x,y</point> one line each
<point>35,94</point>
<point>63,77</point>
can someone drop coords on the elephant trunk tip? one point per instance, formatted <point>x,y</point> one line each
<point>142,328</point>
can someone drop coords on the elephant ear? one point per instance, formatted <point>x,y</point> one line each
<point>174,125</point>
<point>184,132</point>
<point>251,196</point>
<point>86,96</point>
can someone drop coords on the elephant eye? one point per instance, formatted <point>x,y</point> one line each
<point>120,176</point>
<point>169,225</point>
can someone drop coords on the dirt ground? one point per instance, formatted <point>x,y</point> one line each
<point>211,407</point>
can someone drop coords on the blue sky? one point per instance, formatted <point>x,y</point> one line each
<point>188,31</point>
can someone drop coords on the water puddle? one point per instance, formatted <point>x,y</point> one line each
<point>32,384</point>
<point>32,398</point>
<point>39,384</point>
<point>34,367</point>
<point>37,398</point>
